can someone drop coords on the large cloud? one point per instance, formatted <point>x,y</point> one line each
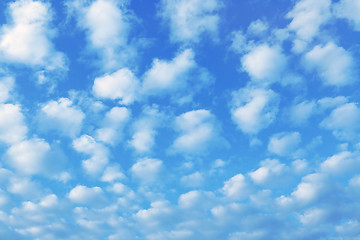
<point>27,38</point>
<point>334,65</point>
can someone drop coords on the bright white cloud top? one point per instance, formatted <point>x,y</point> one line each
<point>179,119</point>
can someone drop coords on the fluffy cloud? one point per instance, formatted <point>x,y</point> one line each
<point>334,65</point>
<point>27,38</point>
<point>121,85</point>
<point>168,75</point>
<point>29,157</point>
<point>112,173</point>
<point>254,109</point>
<point>236,187</point>
<point>301,112</point>
<point>108,24</point>
<point>62,116</point>
<point>147,170</point>
<point>189,19</point>
<point>284,143</point>
<point>84,195</point>
<point>265,64</point>
<point>113,125</point>
<point>99,154</point>
<point>269,170</point>
<point>197,130</point>
<point>341,163</point>
<point>6,86</point>
<point>348,9</point>
<point>343,121</point>
<point>12,126</point>
<point>307,19</point>
<point>145,127</point>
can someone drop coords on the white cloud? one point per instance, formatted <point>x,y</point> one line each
<point>24,187</point>
<point>284,143</point>
<point>189,19</point>
<point>168,75</point>
<point>29,156</point>
<point>113,125</point>
<point>301,112</point>
<point>310,188</point>
<point>197,131</point>
<point>334,65</point>
<point>108,24</point>
<point>156,216</point>
<point>307,19</point>
<point>84,195</point>
<point>99,154</point>
<point>189,199</point>
<point>254,109</point>
<point>270,169</point>
<point>329,102</point>
<point>112,173</point>
<point>341,163</point>
<point>349,10</point>
<point>62,116</point>
<point>143,138</point>
<point>195,179</point>
<point>147,170</point>
<point>27,38</point>
<point>121,85</point>
<point>343,121</point>
<point>258,27</point>
<point>265,64</point>
<point>6,86</point>
<point>12,126</point>
<point>236,187</point>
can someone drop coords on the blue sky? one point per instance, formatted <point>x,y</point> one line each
<point>179,119</point>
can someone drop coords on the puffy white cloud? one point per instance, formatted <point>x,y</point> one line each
<point>301,112</point>
<point>265,64</point>
<point>157,215</point>
<point>85,195</point>
<point>189,199</point>
<point>284,143</point>
<point>310,188</point>
<point>147,170</point>
<point>307,19</point>
<point>108,24</point>
<point>334,65</point>
<point>27,37</point>
<point>197,131</point>
<point>236,187</point>
<point>189,19</point>
<point>343,121</point>
<point>341,163</point>
<point>24,187</point>
<point>62,116</point>
<point>145,131</point>
<point>112,173</point>
<point>12,126</point>
<point>168,75</point>
<point>270,169</point>
<point>99,154</point>
<point>121,85</point>
<point>113,124</point>
<point>254,109</point>
<point>348,9</point>
<point>6,86</point>
<point>29,156</point>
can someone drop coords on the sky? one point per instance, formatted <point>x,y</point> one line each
<point>179,119</point>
